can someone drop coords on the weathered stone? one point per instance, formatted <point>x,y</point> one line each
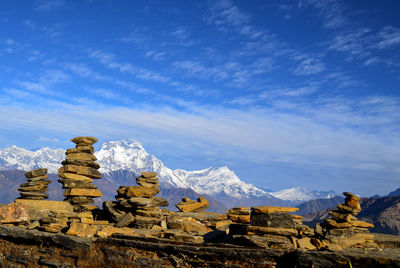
<point>272,209</point>
<point>112,208</point>
<point>188,238</point>
<point>269,241</point>
<point>352,203</point>
<point>259,230</point>
<point>140,202</point>
<point>75,177</point>
<point>81,170</point>
<point>34,225</point>
<point>33,188</point>
<point>36,194</point>
<point>81,156</point>
<point>317,243</point>
<point>352,196</point>
<point>82,200</point>
<point>84,140</point>
<point>36,173</point>
<point>149,213</point>
<point>125,220</point>
<point>38,209</point>
<point>222,225</point>
<point>188,225</point>
<point>82,192</point>
<point>318,230</point>
<point>276,219</point>
<point>81,163</point>
<point>85,149</point>
<point>239,218</point>
<point>341,216</point>
<point>304,230</point>
<point>68,183</point>
<point>82,229</point>
<point>344,208</point>
<point>137,191</point>
<point>37,179</point>
<point>356,239</point>
<point>146,174</point>
<point>109,231</point>
<point>305,243</point>
<point>146,184</point>
<point>42,183</point>
<point>331,223</point>
<point>203,216</point>
<point>239,211</point>
<point>14,213</point>
<point>53,227</point>
<point>192,206</point>
<point>148,180</point>
<point>146,222</point>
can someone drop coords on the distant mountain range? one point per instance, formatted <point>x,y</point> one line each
<point>122,161</point>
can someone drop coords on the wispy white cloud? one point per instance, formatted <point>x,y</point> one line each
<point>48,5</point>
<point>332,12</point>
<point>309,66</point>
<point>155,55</point>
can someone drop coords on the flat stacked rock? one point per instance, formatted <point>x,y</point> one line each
<point>269,227</point>
<point>343,227</point>
<point>36,186</point>
<point>188,205</point>
<point>138,206</point>
<point>239,214</point>
<point>77,174</point>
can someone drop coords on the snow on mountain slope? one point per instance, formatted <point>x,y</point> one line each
<point>18,158</point>
<point>130,155</point>
<point>301,194</point>
<point>214,181</point>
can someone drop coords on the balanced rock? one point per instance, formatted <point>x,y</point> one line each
<point>188,205</point>
<point>137,191</point>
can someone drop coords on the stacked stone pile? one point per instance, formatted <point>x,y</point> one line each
<point>271,227</point>
<point>36,186</point>
<point>138,206</point>
<point>239,214</point>
<point>77,174</point>
<point>343,227</point>
<point>188,205</point>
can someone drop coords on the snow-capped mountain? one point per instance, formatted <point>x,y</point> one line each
<point>129,158</point>
<point>18,158</point>
<point>297,194</point>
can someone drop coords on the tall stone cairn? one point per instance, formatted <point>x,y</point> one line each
<point>77,174</point>
<point>36,186</point>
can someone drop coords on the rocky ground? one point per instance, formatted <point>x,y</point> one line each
<point>33,248</point>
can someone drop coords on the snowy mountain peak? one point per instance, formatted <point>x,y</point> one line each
<point>301,194</point>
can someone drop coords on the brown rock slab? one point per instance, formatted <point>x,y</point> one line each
<point>223,225</point>
<point>305,243</point>
<point>112,208</point>
<point>351,196</point>
<point>37,179</point>
<point>91,164</point>
<point>84,140</point>
<point>82,229</point>
<point>125,220</point>
<point>146,222</point>
<point>270,241</point>
<point>81,170</point>
<point>14,213</point>
<point>68,183</point>
<point>275,219</point>
<point>272,209</point>
<point>137,191</point>
<point>344,208</point>
<point>38,209</point>
<point>146,174</point>
<point>109,231</point>
<point>341,216</point>
<point>188,225</point>
<point>141,202</point>
<point>36,173</point>
<point>239,218</point>
<point>33,194</point>
<point>81,156</point>
<point>82,192</point>
<point>192,206</point>
<point>146,184</point>
<point>188,238</point>
<point>75,177</point>
<point>42,183</point>
<point>149,213</point>
<point>239,211</point>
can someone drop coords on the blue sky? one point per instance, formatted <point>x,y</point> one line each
<point>285,93</point>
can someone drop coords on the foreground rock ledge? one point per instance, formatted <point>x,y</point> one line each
<point>31,248</point>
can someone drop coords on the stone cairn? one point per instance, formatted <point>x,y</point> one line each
<point>36,186</point>
<point>137,206</point>
<point>77,174</point>
<point>343,227</point>
<point>268,227</point>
